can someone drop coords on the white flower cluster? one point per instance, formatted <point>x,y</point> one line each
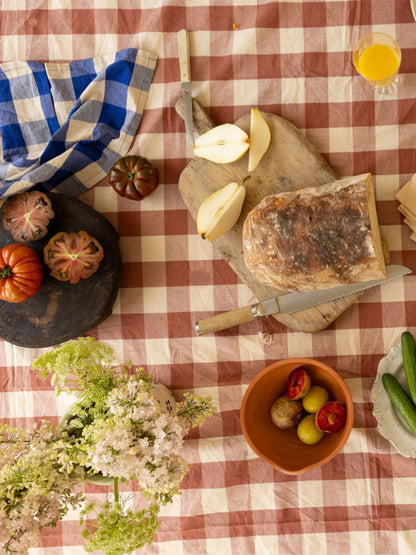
<point>138,440</point>
<point>34,493</point>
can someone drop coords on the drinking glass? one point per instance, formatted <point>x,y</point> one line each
<point>377,58</point>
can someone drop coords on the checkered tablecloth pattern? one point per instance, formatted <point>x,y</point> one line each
<point>64,124</point>
<point>291,58</point>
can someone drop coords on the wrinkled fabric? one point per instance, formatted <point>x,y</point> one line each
<point>63,125</point>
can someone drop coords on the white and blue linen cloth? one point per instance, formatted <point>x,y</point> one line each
<point>63,125</point>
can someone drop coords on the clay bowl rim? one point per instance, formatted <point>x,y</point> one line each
<point>344,433</point>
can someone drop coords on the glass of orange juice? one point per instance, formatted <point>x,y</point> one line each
<point>377,58</point>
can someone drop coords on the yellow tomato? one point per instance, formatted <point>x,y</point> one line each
<point>315,398</point>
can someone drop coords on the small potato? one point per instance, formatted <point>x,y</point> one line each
<point>286,413</point>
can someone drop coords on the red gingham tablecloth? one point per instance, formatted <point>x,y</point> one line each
<point>293,59</point>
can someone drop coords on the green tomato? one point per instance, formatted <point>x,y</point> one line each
<point>315,399</point>
<point>307,430</point>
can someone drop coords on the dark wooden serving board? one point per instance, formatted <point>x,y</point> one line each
<point>60,311</point>
<point>290,163</point>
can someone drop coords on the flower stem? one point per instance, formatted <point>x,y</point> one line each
<point>116,496</point>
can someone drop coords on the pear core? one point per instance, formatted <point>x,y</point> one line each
<point>222,144</point>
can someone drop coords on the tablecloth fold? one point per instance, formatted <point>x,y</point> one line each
<point>63,125</point>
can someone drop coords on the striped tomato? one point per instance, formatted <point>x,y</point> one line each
<point>73,256</point>
<point>26,216</point>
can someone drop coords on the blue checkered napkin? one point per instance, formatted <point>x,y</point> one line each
<point>63,125</point>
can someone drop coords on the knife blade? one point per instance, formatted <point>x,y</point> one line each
<point>185,67</point>
<point>289,303</point>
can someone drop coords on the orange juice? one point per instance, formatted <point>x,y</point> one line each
<point>378,62</point>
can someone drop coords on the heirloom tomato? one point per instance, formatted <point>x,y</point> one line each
<point>26,216</point>
<point>73,256</point>
<point>133,177</point>
<point>20,273</point>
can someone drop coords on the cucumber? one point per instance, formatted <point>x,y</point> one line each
<point>409,362</point>
<point>400,400</point>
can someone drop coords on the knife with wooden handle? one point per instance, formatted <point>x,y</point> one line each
<point>185,68</point>
<point>291,302</point>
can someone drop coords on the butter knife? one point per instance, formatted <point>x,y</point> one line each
<point>185,68</point>
<point>291,302</point>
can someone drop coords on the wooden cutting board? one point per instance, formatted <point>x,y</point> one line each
<point>60,311</point>
<point>290,163</point>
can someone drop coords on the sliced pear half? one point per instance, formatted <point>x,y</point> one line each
<point>222,144</point>
<point>260,138</point>
<point>220,211</point>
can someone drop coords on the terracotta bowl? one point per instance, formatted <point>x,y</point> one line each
<point>282,448</point>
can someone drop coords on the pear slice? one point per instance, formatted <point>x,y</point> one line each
<point>260,138</point>
<point>220,211</point>
<point>222,144</point>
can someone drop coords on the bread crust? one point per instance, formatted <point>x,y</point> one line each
<point>315,238</point>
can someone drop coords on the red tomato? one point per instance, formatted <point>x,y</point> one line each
<point>20,273</point>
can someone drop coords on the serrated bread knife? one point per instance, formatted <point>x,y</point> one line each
<point>291,302</point>
<point>185,67</point>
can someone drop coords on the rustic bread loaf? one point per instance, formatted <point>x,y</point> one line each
<point>317,237</point>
